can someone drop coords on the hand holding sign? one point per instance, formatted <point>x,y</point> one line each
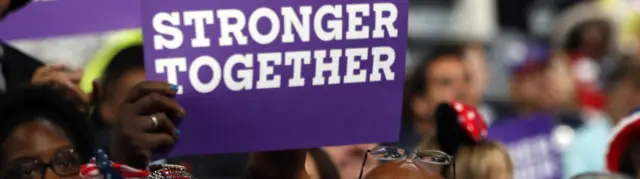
<point>144,124</point>
<point>281,74</point>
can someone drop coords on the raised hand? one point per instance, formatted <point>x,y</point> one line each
<point>60,76</point>
<point>145,123</point>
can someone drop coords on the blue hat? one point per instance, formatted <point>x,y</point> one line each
<point>533,57</point>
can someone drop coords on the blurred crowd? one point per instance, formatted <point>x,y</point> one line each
<point>483,64</point>
<point>574,60</point>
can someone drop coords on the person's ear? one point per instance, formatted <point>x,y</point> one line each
<point>106,111</point>
<point>94,95</point>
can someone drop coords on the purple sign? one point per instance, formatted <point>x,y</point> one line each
<point>45,18</point>
<point>280,74</point>
<point>531,147</point>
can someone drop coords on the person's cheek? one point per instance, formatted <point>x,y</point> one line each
<point>467,94</point>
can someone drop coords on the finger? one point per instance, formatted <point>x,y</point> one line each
<point>62,79</point>
<point>56,78</point>
<point>95,93</point>
<point>147,87</point>
<point>43,71</point>
<point>59,78</point>
<point>159,141</point>
<point>76,76</point>
<point>155,102</point>
<point>50,68</point>
<point>37,75</point>
<point>53,67</point>
<point>164,125</point>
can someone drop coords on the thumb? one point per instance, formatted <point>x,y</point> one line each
<point>76,75</point>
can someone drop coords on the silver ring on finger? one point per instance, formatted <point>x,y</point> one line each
<point>154,121</point>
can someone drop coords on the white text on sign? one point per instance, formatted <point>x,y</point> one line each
<point>328,22</point>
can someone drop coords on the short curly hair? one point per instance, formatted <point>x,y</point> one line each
<point>32,102</point>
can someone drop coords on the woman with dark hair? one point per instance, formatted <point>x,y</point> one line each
<point>42,134</point>
<point>440,77</point>
<point>462,133</point>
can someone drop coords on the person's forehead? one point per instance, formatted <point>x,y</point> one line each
<point>406,168</point>
<point>35,139</point>
<point>446,64</point>
<point>448,58</point>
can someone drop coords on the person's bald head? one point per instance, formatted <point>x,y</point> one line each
<point>404,169</point>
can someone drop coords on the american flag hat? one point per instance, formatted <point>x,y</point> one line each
<point>533,56</point>
<point>91,171</point>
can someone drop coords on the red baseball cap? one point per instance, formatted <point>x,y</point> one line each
<point>623,133</point>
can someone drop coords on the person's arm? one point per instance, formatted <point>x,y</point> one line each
<point>135,135</point>
<point>277,164</point>
<point>17,68</point>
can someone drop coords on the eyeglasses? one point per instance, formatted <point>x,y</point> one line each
<point>65,163</point>
<point>394,153</point>
<point>594,175</point>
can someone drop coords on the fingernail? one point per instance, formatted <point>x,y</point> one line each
<point>178,132</point>
<point>174,87</point>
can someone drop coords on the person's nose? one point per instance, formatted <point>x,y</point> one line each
<point>462,95</point>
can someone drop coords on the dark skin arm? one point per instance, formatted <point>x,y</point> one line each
<point>133,138</point>
<point>18,68</point>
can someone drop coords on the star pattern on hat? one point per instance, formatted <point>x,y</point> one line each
<point>470,119</point>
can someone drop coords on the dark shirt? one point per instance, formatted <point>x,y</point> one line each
<point>17,67</point>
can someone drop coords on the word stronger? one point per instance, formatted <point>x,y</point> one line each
<point>328,25</point>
